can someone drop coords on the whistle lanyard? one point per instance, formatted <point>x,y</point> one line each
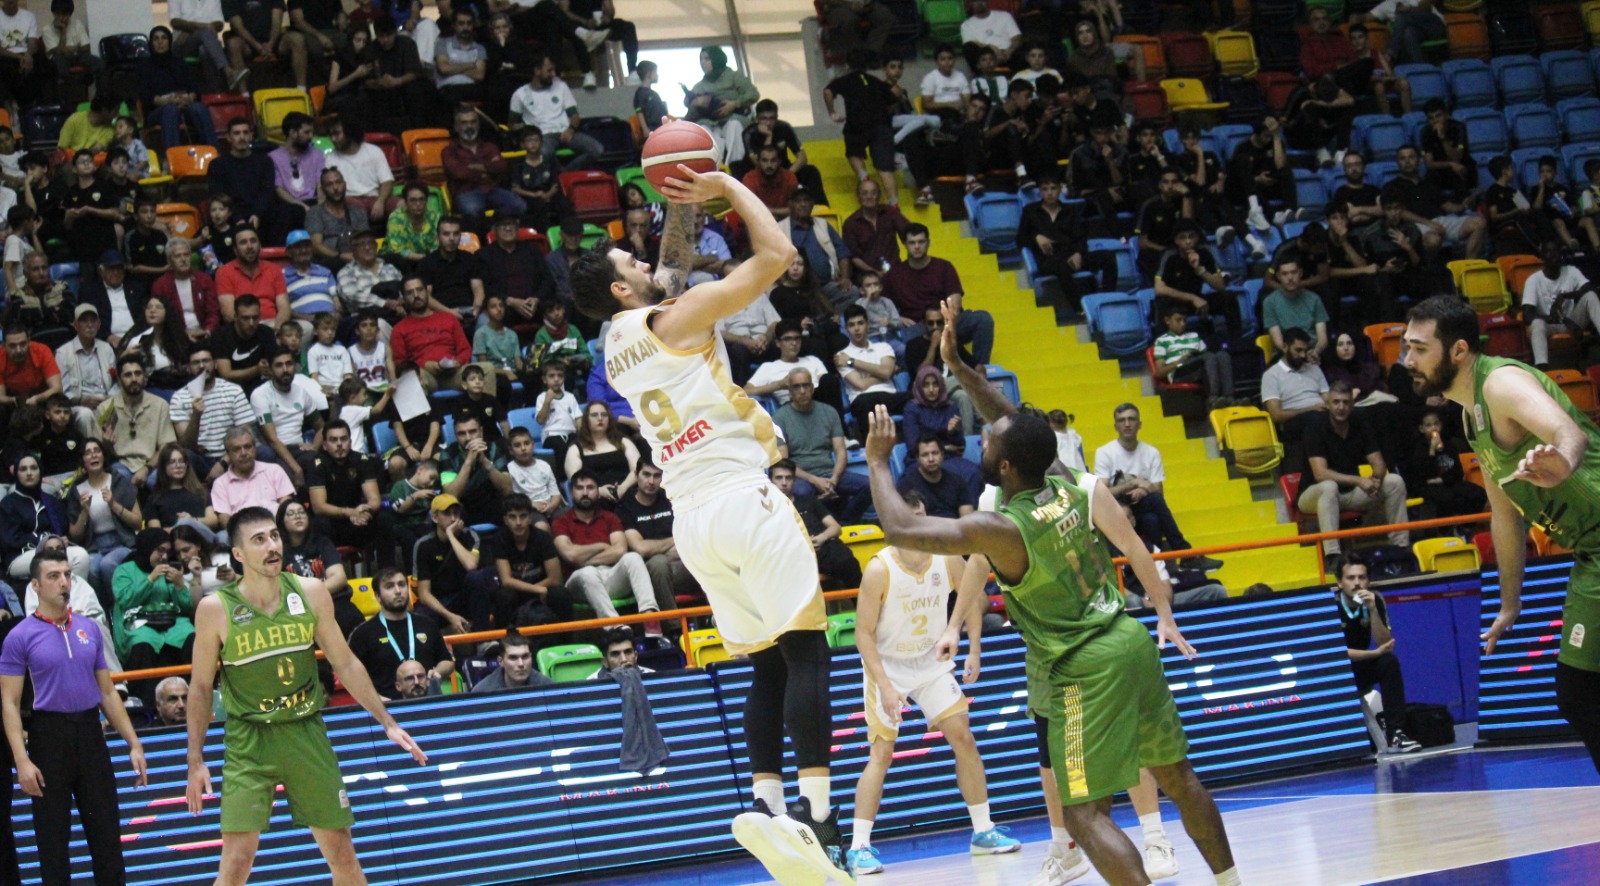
<point>411,639</point>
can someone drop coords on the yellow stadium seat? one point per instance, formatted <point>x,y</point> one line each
<point>1591,19</point>
<point>704,647</point>
<point>1481,283</point>
<point>865,541</point>
<point>1251,436</point>
<point>1448,554</point>
<point>366,599</point>
<point>1235,52</point>
<point>272,105</point>
<point>1189,101</point>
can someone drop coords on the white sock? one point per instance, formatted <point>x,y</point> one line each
<point>771,791</point>
<point>860,833</point>
<point>815,789</point>
<point>1060,841</point>
<point>980,818</point>
<point>1229,877</point>
<point>1153,830</point>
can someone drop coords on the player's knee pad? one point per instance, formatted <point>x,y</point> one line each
<point>807,709</point>
<point>764,711</point>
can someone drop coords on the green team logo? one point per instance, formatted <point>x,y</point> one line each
<point>242,614</point>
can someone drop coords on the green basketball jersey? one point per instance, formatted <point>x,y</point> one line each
<point>269,662</point>
<point>1069,594</point>
<point>1570,512</point>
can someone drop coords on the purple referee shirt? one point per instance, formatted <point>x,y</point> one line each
<point>62,662</point>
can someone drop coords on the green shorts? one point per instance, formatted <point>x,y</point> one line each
<point>1580,614</point>
<point>257,758</point>
<point>1111,714</point>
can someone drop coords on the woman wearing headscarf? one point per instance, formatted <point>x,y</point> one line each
<point>154,603</point>
<point>721,102</point>
<point>27,515</point>
<point>168,93</point>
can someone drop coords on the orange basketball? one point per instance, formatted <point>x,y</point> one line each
<point>674,143</point>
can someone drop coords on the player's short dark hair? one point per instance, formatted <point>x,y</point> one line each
<point>591,275</point>
<point>41,557</point>
<point>381,577</point>
<point>248,517</point>
<point>283,351</point>
<point>294,120</point>
<point>1453,320</point>
<point>1029,443</point>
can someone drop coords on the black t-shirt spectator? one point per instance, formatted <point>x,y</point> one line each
<point>486,410</point>
<point>1158,219</point>
<point>811,513</point>
<point>1357,195</point>
<point>1502,197</point>
<point>146,249</point>
<point>416,427</point>
<point>1190,167</point>
<point>1358,624</point>
<point>170,505</point>
<point>380,645</point>
<point>226,345</point>
<point>342,480</point>
<point>59,453</point>
<point>1433,149</point>
<point>1248,162</point>
<point>451,279</point>
<point>533,178</point>
<point>257,15</point>
<point>248,180</point>
<point>312,558</point>
<point>527,563</point>
<point>436,562</point>
<point>1142,169</point>
<point>320,14</point>
<point>220,239</point>
<point>1421,197</point>
<point>653,522</point>
<point>91,235</point>
<point>1176,272</point>
<point>866,101</point>
<point>1344,455</point>
<point>783,135</point>
<point>1063,230</point>
<point>944,498</point>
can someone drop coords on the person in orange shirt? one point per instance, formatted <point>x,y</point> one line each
<point>770,181</point>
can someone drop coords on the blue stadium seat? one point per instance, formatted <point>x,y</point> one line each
<point>1310,195</point>
<point>1030,263</point>
<point>1414,121</point>
<point>1526,161</point>
<point>1120,321</point>
<point>1006,381</point>
<point>1229,137</point>
<point>1249,302</point>
<point>1127,264</point>
<point>1379,173</point>
<point>1573,157</point>
<point>1594,62</point>
<point>69,273</point>
<point>1427,81</point>
<point>1482,158</point>
<point>1520,78</point>
<point>1378,136</point>
<point>1332,178</point>
<point>528,417</point>
<point>1293,229</point>
<point>1580,119</point>
<point>1174,143</point>
<point>1533,126</point>
<point>1472,83</point>
<point>1486,130</point>
<point>383,437</point>
<point>1567,74</point>
<point>995,219</point>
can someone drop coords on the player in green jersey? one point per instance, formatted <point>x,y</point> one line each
<point>265,629</point>
<point>1542,458</point>
<point>1094,675</point>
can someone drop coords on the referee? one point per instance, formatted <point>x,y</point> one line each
<point>64,654</point>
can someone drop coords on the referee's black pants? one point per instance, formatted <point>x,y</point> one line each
<point>70,751</point>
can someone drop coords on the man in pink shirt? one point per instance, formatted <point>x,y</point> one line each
<point>432,341</point>
<point>247,482</point>
<point>247,274</point>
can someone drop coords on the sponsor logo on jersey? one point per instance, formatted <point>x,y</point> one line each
<point>242,614</point>
<point>696,432</point>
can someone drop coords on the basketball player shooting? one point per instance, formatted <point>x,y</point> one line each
<point>738,535</point>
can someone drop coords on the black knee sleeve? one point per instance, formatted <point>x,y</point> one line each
<point>807,708</point>
<point>763,711</point>
<point>1578,698</point>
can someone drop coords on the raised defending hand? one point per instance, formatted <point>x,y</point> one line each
<point>949,350</point>
<point>688,186</point>
<point>880,436</point>
<point>1544,465</point>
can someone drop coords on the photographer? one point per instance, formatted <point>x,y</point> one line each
<point>1371,645</point>
<point>1560,299</point>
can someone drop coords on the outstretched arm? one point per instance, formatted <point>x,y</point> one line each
<point>986,398</point>
<point>1114,525</point>
<point>677,250</point>
<point>1514,394</point>
<point>692,319</point>
<point>350,671</point>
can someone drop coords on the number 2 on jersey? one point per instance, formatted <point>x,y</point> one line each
<point>658,410</point>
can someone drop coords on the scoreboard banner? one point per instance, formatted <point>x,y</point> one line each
<point>528,784</point>
<point>1516,685</point>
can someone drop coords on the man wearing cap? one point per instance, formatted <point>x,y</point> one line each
<point>450,580</point>
<point>312,288</point>
<point>364,272</point>
<point>87,365</point>
<point>297,167</point>
<point>117,299</point>
<point>189,293</point>
<point>332,222</point>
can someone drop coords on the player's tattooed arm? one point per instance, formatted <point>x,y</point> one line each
<point>677,250</point>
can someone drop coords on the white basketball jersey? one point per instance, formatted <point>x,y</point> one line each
<point>370,368</point>
<point>705,432</point>
<point>915,613</point>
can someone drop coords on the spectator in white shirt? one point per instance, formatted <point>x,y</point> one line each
<point>866,371</point>
<point>748,336</point>
<point>533,478</point>
<point>547,103</point>
<point>66,42</point>
<point>1558,299</point>
<point>945,90</point>
<point>771,379</point>
<point>286,405</point>
<point>557,412</point>
<point>1134,473</point>
<point>994,29</point>
<point>368,180</point>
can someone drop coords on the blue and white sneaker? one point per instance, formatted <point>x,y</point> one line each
<point>994,842</point>
<point>864,861</point>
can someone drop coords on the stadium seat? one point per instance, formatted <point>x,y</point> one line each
<point>122,54</point>
<point>591,236</point>
<point>1277,87</point>
<point>1147,102</point>
<point>635,175</point>
<point>1467,35</point>
<point>1580,119</point>
<point>1190,102</point>
<point>1486,130</point>
<point>1516,269</point>
<point>1573,158</point>
<point>190,161</point>
<point>425,148</point>
<point>1427,81</point>
<point>1119,321</point>
<point>1310,195</point>
<point>616,140</point>
<point>272,105</point>
<point>182,220</point>
<point>995,218</point>
<point>944,18</point>
<point>1228,137</point>
<point>41,125</point>
<point>842,630</point>
<point>1560,26</point>
<point>1471,83</point>
<point>394,151</point>
<point>1414,121</point>
<point>1306,523</point>
<point>1235,53</point>
<point>1591,19</point>
<point>865,540</point>
<point>1533,126</point>
<point>1504,336</point>
<point>593,195</point>
<point>528,417</point>
<point>1246,104</point>
<point>999,377</point>
<point>1188,55</point>
<point>1579,388</point>
<point>1162,385</point>
<point>570,664</point>
<point>1155,58</point>
<point>1567,74</point>
<point>1480,283</point>
<point>1249,434</point>
<point>225,106</point>
<point>1446,554</point>
<point>1385,338</point>
<point>1513,31</point>
<point>383,437</point>
<point>1520,78</point>
<point>704,646</point>
<point>1126,255</point>
<point>1379,136</point>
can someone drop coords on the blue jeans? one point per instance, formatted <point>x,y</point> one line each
<point>854,495</point>
<point>586,150</point>
<point>170,116</point>
<point>105,555</point>
<point>976,328</point>
<point>473,204</point>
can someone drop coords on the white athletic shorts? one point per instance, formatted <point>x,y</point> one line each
<point>750,551</point>
<point>935,692</point>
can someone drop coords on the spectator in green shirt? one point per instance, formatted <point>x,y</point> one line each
<point>413,231</point>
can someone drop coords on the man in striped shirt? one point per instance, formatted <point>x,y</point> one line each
<point>204,409</point>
